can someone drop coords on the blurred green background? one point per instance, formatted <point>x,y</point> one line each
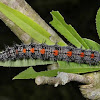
<point>81,15</point>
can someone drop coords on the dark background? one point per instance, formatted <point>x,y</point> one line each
<point>81,15</point>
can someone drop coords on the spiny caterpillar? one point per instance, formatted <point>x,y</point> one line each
<point>50,52</point>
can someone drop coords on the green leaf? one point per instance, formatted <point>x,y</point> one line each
<point>24,63</point>
<point>92,44</point>
<point>98,22</point>
<point>26,24</point>
<point>71,65</point>
<point>31,74</point>
<point>67,30</point>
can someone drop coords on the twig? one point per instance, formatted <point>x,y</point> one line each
<point>62,78</point>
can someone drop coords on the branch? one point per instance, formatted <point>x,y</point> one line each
<point>62,78</point>
<point>92,90</point>
<point>92,80</point>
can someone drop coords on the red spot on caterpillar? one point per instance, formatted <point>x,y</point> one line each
<point>42,51</point>
<point>32,50</point>
<point>82,54</point>
<point>55,52</point>
<point>69,53</point>
<point>24,50</point>
<point>16,51</point>
<point>92,55</point>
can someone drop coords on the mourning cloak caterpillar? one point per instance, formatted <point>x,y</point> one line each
<point>50,52</point>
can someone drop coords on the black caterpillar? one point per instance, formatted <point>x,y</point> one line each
<point>50,52</point>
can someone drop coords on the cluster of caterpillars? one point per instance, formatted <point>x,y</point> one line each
<point>50,52</point>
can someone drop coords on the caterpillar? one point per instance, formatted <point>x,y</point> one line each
<point>50,52</point>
